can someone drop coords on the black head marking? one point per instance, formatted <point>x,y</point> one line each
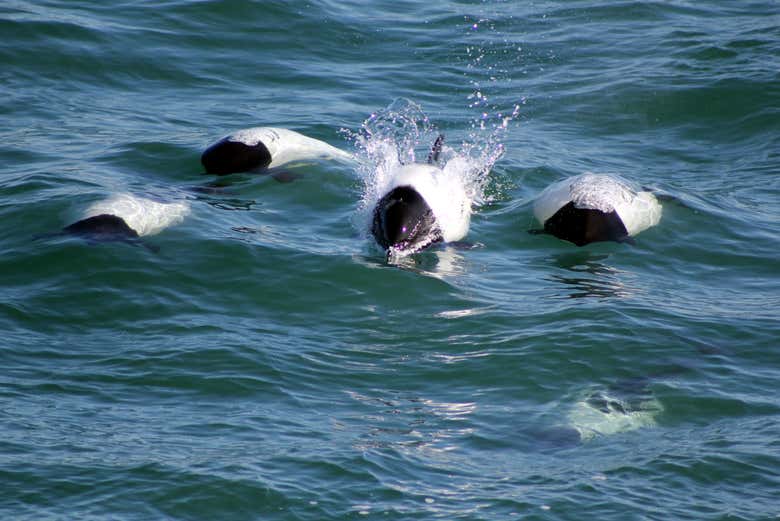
<point>404,221</point>
<point>228,157</point>
<point>584,225</point>
<point>103,227</point>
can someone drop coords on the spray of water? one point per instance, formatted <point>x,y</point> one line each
<point>401,135</point>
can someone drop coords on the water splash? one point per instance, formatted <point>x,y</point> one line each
<point>492,63</point>
<point>402,134</point>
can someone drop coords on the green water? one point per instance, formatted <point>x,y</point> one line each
<point>261,360</point>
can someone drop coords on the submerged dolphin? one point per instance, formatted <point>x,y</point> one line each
<point>125,217</point>
<point>595,207</point>
<point>103,227</point>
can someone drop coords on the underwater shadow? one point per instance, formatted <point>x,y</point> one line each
<point>590,276</point>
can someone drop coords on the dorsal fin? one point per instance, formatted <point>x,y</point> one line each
<point>433,155</point>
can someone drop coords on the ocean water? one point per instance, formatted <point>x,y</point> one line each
<point>262,360</point>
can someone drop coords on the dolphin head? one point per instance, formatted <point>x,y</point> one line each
<point>403,222</point>
<point>229,155</point>
<point>102,228</point>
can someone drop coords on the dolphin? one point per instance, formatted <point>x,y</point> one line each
<point>101,228</point>
<point>261,148</point>
<point>408,217</point>
<point>595,207</point>
<point>124,217</point>
<point>404,222</point>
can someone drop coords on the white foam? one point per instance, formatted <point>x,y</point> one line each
<point>638,210</point>
<point>600,192</point>
<point>287,146</point>
<point>145,216</point>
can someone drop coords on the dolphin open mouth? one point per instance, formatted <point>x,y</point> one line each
<point>402,250</point>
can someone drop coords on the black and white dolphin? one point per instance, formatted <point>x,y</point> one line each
<point>422,204</point>
<point>258,148</point>
<point>595,207</point>
<point>125,217</point>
